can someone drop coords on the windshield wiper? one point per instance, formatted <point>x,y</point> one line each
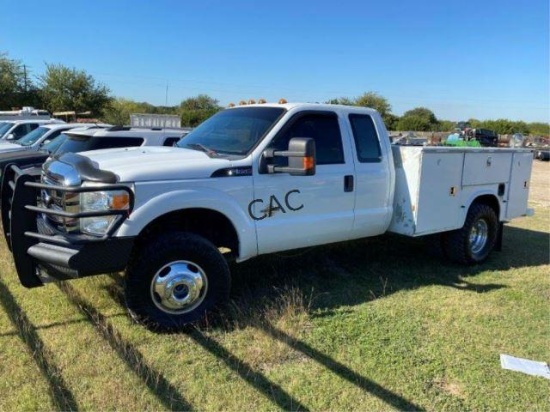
<point>202,148</point>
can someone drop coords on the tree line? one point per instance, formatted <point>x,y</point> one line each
<point>61,88</point>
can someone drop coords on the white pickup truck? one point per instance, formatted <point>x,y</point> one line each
<point>251,180</point>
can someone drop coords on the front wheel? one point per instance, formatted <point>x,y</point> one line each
<point>176,279</point>
<point>476,239</point>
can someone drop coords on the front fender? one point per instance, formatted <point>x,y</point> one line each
<point>201,198</point>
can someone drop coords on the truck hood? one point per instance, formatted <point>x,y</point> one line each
<point>156,163</point>
<point>11,147</point>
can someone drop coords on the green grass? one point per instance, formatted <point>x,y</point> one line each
<point>368,325</point>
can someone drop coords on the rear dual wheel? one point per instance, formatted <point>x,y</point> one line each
<point>474,242</point>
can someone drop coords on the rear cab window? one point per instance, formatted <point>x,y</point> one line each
<point>366,138</point>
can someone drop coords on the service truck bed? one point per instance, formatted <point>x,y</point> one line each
<point>434,185</point>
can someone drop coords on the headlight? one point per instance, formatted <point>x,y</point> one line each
<point>98,202</point>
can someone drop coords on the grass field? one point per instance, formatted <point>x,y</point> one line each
<point>366,325</point>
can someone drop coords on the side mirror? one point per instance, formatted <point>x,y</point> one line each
<point>300,155</point>
<point>10,136</point>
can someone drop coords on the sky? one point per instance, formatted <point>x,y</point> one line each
<point>483,59</point>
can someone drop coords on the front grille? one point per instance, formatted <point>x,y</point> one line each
<point>59,201</point>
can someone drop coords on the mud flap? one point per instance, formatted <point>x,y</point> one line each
<point>498,243</point>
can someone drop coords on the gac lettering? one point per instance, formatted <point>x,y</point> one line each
<point>274,205</point>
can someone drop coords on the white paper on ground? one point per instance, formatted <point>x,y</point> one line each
<point>525,365</point>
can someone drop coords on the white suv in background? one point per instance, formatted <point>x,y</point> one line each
<point>78,140</point>
<point>16,129</point>
<point>43,135</point>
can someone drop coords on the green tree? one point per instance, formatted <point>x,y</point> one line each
<point>539,128</point>
<point>446,126</point>
<point>63,88</point>
<point>374,101</point>
<point>119,110</point>
<point>418,119</point>
<point>195,110</point>
<point>422,112</point>
<point>391,121</point>
<point>415,123</point>
<point>16,87</point>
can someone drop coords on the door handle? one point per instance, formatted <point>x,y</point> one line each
<point>348,183</point>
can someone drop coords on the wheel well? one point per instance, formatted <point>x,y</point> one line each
<point>207,223</point>
<point>490,201</point>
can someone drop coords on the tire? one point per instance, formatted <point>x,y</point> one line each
<point>176,279</point>
<point>473,243</point>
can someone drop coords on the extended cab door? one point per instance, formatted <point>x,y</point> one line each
<point>374,175</point>
<point>298,211</point>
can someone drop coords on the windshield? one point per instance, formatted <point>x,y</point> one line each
<point>75,144</point>
<point>31,137</point>
<point>232,131</point>
<point>4,127</point>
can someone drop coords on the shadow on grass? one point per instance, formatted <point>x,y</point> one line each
<point>57,324</point>
<point>343,371</point>
<point>255,379</point>
<point>62,397</point>
<point>351,273</point>
<point>165,392</point>
<point>340,275</point>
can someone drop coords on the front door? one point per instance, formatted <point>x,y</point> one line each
<point>299,211</point>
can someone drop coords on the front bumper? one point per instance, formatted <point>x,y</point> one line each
<point>41,256</point>
<point>56,262</point>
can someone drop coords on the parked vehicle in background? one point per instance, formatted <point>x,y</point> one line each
<point>120,136</point>
<point>43,135</point>
<point>543,154</point>
<point>517,140</point>
<point>93,137</point>
<point>250,180</point>
<point>15,129</point>
<point>486,137</point>
<point>26,112</point>
<point>410,139</point>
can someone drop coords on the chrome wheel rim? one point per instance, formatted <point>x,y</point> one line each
<point>478,236</point>
<point>179,287</point>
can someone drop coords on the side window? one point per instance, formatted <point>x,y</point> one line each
<point>114,142</point>
<point>33,126</point>
<point>170,141</point>
<point>20,131</point>
<point>366,139</point>
<point>323,128</point>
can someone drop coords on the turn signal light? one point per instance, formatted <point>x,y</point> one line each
<point>120,201</point>
<point>308,163</point>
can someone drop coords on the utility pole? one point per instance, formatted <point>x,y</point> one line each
<point>166,102</point>
<point>25,76</point>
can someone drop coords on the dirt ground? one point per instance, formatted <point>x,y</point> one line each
<point>539,191</point>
